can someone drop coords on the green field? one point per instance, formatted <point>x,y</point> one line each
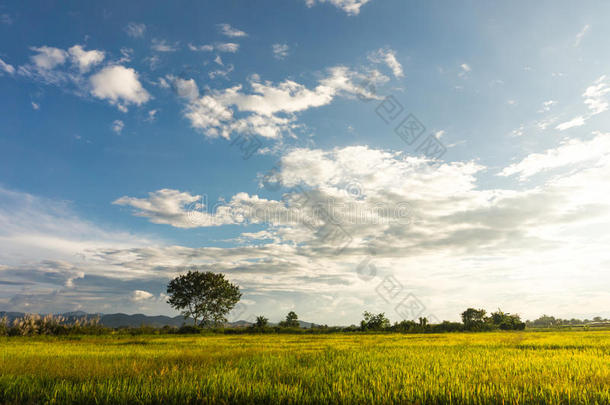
<point>466,368</point>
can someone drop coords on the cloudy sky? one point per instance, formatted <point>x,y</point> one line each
<point>329,156</point>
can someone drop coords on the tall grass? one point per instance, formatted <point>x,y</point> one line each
<point>491,368</point>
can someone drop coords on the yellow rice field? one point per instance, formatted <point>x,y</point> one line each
<point>452,368</point>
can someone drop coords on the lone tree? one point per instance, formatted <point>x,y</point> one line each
<point>207,296</point>
<point>474,319</point>
<point>292,320</point>
<point>374,322</point>
<point>261,322</point>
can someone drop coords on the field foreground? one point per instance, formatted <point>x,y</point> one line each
<point>483,368</point>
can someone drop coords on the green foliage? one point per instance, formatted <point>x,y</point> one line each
<point>292,320</point>
<point>203,296</point>
<point>474,319</point>
<point>374,322</point>
<point>261,322</point>
<point>506,321</point>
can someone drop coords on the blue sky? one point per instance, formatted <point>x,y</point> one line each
<point>122,125</point>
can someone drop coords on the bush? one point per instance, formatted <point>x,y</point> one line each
<point>189,329</point>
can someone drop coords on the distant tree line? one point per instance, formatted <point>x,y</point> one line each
<point>546,321</point>
<point>206,298</point>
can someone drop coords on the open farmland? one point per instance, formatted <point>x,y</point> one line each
<point>465,368</point>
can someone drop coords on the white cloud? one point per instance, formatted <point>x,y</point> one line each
<point>35,106</point>
<point>6,67</point>
<point>161,45</point>
<point>126,54</point>
<point>163,83</point>
<point>351,7</point>
<point>221,73</point>
<point>227,47</point>
<point>179,209</point>
<point>272,106</point>
<point>201,48</point>
<point>595,96</point>
<point>33,227</point>
<point>48,57</point>
<point>574,122</point>
<point>503,238</point>
<point>85,59</point>
<point>570,152</point>
<point>117,126</point>
<point>508,240</point>
<point>388,56</point>
<point>581,34</point>
<point>119,85</point>
<point>280,51</point>
<point>229,31</point>
<point>141,295</point>
<point>518,131</point>
<point>135,30</point>
<point>208,114</point>
<point>546,106</point>
<point>152,115</point>
<point>465,69</point>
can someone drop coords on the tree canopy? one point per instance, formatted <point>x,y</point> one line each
<point>292,320</point>
<point>203,296</point>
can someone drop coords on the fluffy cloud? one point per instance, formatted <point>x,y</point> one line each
<point>226,29</point>
<point>48,57</point>
<point>271,107</point>
<point>85,59</point>
<point>119,85</point>
<point>595,96</point>
<point>388,56</point>
<point>179,209</point>
<point>48,65</point>
<point>351,7</point>
<point>455,229</point>
<point>427,226</point>
<point>140,295</point>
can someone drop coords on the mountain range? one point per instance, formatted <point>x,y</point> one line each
<point>120,320</point>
